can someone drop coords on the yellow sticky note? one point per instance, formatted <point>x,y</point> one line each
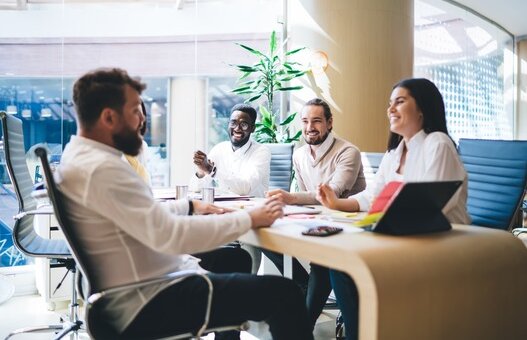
<point>369,219</point>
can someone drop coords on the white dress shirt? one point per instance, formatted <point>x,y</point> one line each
<point>244,171</point>
<point>430,157</point>
<point>128,236</point>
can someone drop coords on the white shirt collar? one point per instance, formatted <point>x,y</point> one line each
<point>243,150</point>
<point>76,139</point>
<point>323,148</point>
<point>416,141</point>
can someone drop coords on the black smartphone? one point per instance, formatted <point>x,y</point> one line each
<point>322,231</point>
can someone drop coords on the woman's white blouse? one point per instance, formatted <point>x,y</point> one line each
<point>430,157</point>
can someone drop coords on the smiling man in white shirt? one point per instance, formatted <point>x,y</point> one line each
<point>131,237</point>
<point>240,165</point>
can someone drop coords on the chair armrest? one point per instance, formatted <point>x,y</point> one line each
<point>519,231</point>
<point>169,277</point>
<point>48,210</point>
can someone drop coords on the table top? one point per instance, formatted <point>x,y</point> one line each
<point>459,284</point>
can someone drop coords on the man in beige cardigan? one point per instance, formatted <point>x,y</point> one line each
<point>324,159</point>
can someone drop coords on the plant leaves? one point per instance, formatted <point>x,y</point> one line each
<point>287,66</point>
<point>245,68</point>
<point>272,43</point>
<point>253,98</point>
<point>253,51</point>
<point>291,88</point>
<point>294,71</point>
<point>288,120</point>
<point>266,117</point>
<point>245,75</point>
<point>249,82</point>
<point>266,130</point>
<point>295,138</point>
<point>241,89</point>
<point>295,51</point>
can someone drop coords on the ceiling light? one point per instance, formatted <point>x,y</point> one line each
<point>26,113</point>
<point>11,109</point>
<point>45,112</point>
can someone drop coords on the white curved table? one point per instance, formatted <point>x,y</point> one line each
<point>462,284</point>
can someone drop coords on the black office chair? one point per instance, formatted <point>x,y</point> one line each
<point>24,236</point>
<point>497,177</point>
<point>281,166</point>
<point>96,324</point>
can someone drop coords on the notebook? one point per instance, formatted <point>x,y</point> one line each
<point>415,208</point>
<point>301,209</point>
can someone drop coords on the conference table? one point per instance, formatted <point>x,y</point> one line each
<point>467,283</point>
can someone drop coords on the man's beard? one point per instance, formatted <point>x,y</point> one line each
<point>317,141</point>
<point>241,142</point>
<point>128,142</point>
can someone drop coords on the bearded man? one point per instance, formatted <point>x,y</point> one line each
<point>130,237</point>
<point>325,159</point>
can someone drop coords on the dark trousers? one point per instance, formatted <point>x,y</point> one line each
<point>348,302</point>
<point>237,297</point>
<point>316,284</point>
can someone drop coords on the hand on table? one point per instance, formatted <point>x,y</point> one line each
<point>202,208</point>
<point>282,195</point>
<point>266,214</point>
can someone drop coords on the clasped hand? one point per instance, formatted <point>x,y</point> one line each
<point>204,165</point>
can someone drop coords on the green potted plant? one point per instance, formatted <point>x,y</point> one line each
<point>269,75</point>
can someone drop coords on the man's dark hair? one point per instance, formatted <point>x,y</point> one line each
<point>323,104</point>
<point>100,89</point>
<point>247,109</point>
<point>429,101</point>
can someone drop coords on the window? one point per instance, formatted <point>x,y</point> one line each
<point>471,62</point>
<point>181,49</point>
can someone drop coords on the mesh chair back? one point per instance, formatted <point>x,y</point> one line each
<point>96,322</point>
<point>281,166</point>
<point>370,164</point>
<point>16,161</point>
<point>497,174</point>
<point>97,328</point>
<point>59,208</point>
<point>24,235</point>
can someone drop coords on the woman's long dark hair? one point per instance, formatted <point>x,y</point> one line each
<point>429,101</point>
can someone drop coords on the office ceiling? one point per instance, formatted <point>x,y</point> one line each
<point>511,14</point>
<point>508,13</point>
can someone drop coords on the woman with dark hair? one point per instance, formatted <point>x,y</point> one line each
<point>138,163</point>
<point>419,149</point>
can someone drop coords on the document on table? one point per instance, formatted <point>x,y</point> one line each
<point>301,209</point>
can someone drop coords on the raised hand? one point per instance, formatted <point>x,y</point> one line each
<point>204,165</point>
<point>327,196</point>
<point>265,215</point>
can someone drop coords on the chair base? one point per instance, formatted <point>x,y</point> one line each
<point>61,330</point>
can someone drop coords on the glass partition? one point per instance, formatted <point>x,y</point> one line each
<point>182,50</point>
<point>471,61</point>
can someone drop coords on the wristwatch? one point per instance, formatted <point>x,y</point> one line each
<point>190,207</point>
